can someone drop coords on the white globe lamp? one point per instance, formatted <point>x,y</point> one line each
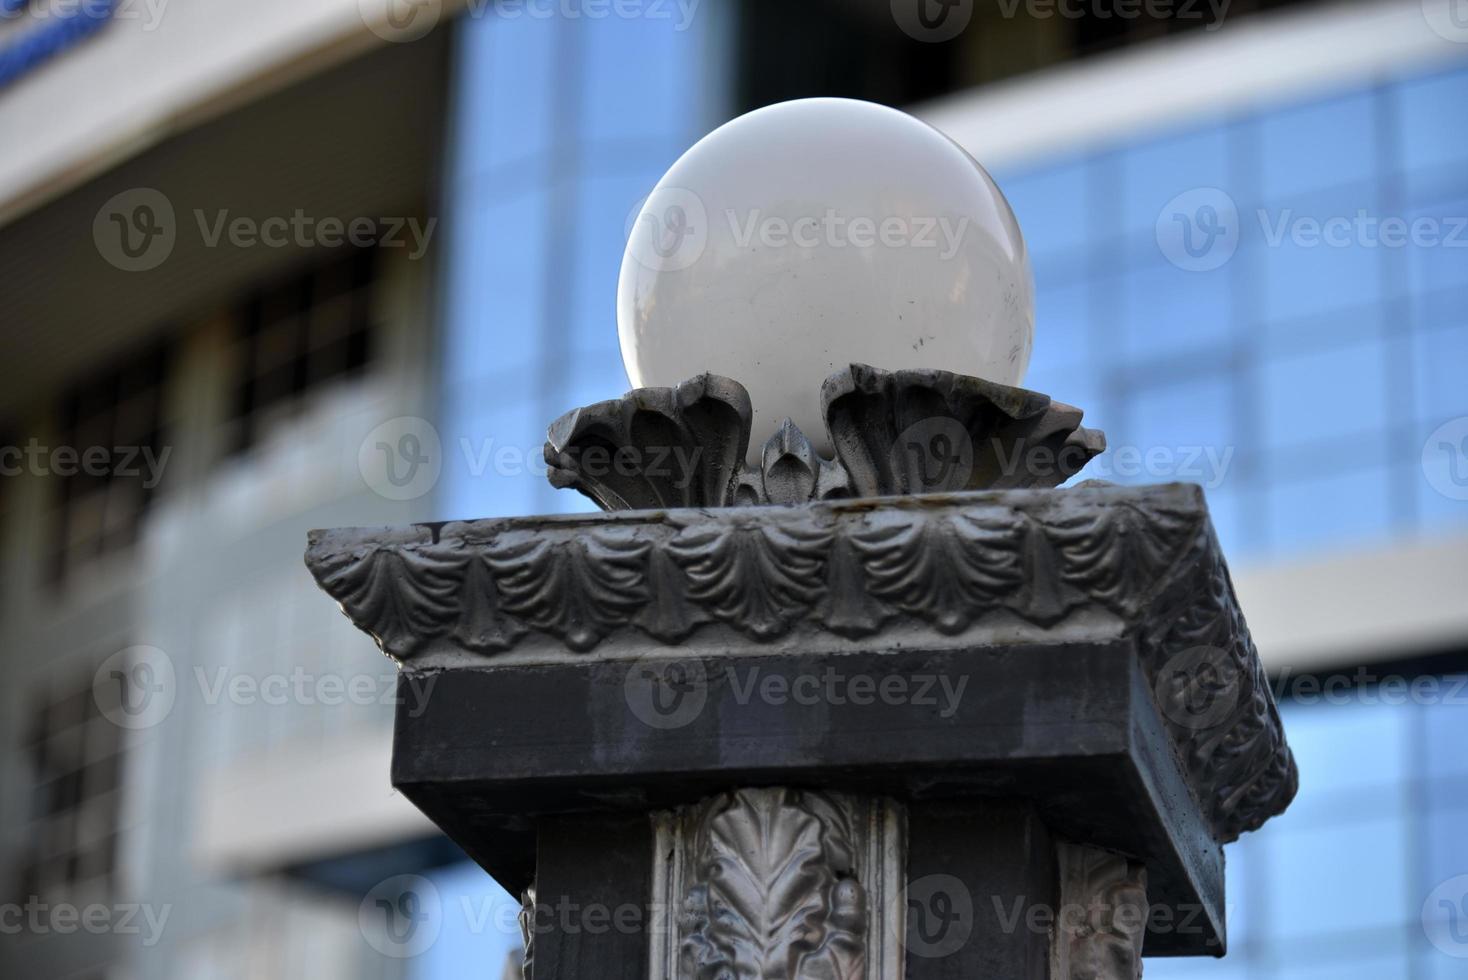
<point>809,235</point>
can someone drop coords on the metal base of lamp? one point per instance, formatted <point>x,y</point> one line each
<point>894,433</point>
<point>1041,703</point>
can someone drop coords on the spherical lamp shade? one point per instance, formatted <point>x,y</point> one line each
<point>809,235</point>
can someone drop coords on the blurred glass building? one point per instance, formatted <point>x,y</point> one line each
<point>1249,230</point>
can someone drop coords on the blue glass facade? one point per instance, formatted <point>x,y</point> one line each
<point>560,127</point>
<point>1299,382</point>
<point>1318,370</point>
<point>1316,363</point>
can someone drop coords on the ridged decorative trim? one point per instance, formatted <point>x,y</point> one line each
<point>940,570</point>
<point>895,432</point>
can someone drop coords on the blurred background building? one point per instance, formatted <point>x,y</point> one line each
<point>192,741</point>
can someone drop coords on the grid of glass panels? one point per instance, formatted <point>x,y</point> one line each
<point>1305,373</point>
<point>1300,372</point>
<point>562,126</point>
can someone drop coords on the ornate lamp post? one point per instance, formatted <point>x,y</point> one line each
<point>869,699</point>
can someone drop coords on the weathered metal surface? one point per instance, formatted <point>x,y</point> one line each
<point>780,882</point>
<point>959,571</point>
<point>1102,917</point>
<point>897,432</point>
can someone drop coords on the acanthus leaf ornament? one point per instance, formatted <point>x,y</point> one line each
<point>399,599</point>
<point>1104,898</point>
<point>579,589</point>
<point>775,891</point>
<point>894,433</point>
<point>939,571</point>
<point>945,571</point>
<point>756,577</point>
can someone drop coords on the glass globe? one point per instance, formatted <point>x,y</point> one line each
<point>808,235</point>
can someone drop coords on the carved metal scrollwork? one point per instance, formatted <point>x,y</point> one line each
<point>775,892</point>
<point>894,432</point>
<point>778,882</point>
<point>1103,919</point>
<point>1095,558</point>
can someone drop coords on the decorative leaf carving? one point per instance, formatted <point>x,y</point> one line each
<point>482,625</point>
<point>685,446</point>
<point>758,577</point>
<point>1103,941</point>
<point>401,599</point>
<point>1114,552</point>
<point>792,472</point>
<point>888,427</point>
<point>655,447</point>
<point>776,893</point>
<point>1044,597</point>
<point>947,571</point>
<point>1238,747</point>
<point>579,589</point>
<point>670,614</point>
<point>850,569</point>
<point>848,608</point>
